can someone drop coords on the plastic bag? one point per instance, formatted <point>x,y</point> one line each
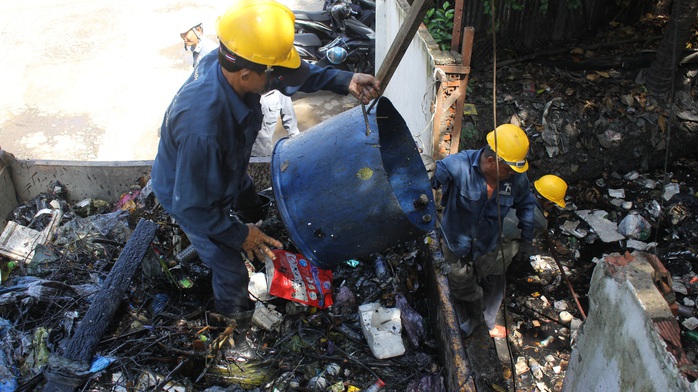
<point>635,226</point>
<point>345,302</point>
<point>411,320</point>
<point>291,276</point>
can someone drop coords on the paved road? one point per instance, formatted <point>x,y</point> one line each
<point>91,79</point>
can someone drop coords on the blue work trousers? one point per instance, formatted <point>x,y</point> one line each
<point>229,276</point>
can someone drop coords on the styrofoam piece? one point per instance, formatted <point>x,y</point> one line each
<point>670,190</point>
<point>266,318</point>
<point>690,323</point>
<point>606,229</point>
<point>617,193</point>
<point>18,242</point>
<point>382,328</point>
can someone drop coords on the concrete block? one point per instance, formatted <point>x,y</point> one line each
<point>382,328</point>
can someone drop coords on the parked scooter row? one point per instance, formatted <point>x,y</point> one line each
<point>332,20</point>
<point>364,10</point>
<point>336,37</point>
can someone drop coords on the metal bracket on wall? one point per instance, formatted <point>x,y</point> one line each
<point>450,99</point>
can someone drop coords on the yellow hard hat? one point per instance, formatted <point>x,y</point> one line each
<point>552,188</point>
<point>260,31</point>
<point>511,146</point>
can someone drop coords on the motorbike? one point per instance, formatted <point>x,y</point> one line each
<point>338,17</point>
<point>349,54</point>
<point>363,10</point>
<point>350,46</point>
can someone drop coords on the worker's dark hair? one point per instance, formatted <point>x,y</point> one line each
<point>488,151</point>
<point>233,63</point>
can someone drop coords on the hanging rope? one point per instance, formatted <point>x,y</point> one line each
<point>499,211</point>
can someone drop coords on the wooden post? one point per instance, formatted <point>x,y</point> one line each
<point>68,372</point>
<point>457,23</point>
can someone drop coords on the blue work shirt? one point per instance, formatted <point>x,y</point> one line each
<point>470,223</point>
<point>205,145</point>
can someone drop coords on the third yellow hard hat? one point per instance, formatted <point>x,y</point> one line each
<point>511,146</point>
<point>552,188</point>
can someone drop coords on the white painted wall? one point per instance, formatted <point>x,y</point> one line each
<point>618,349</point>
<point>412,86</point>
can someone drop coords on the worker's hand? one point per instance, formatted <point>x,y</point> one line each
<point>259,244</point>
<point>526,250</point>
<point>429,164</point>
<point>364,87</point>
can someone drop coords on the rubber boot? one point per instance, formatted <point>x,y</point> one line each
<point>240,346</point>
<point>473,317</point>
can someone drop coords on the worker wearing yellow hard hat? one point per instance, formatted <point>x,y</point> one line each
<point>549,191</point>
<point>479,187</point>
<point>199,173</point>
<point>551,188</point>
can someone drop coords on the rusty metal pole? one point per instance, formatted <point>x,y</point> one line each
<point>466,54</point>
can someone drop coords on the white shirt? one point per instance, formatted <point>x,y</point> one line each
<point>273,103</point>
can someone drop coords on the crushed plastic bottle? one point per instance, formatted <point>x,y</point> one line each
<point>376,386</point>
<point>535,368</point>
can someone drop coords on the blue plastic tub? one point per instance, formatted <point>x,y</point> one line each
<point>345,195</point>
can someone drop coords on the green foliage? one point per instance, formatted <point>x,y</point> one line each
<point>439,21</point>
<point>468,136</point>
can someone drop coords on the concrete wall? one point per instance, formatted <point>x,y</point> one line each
<point>412,87</point>
<point>619,347</point>
<point>24,179</point>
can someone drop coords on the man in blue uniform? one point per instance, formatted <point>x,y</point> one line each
<point>549,190</point>
<point>199,173</point>
<point>479,187</point>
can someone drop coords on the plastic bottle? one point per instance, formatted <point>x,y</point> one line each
<point>380,267</point>
<point>377,386</point>
<point>535,368</point>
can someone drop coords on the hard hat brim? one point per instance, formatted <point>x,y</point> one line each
<point>521,169</point>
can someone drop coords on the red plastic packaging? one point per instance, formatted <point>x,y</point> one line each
<point>296,279</point>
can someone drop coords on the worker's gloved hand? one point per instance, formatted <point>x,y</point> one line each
<point>462,282</point>
<point>429,164</point>
<point>526,250</point>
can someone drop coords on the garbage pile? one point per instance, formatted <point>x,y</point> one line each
<point>166,335</point>
<point>654,212</point>
<point>374,330</point>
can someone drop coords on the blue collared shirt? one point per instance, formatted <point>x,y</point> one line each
<point>205,145</point>
<point>470,223</point>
